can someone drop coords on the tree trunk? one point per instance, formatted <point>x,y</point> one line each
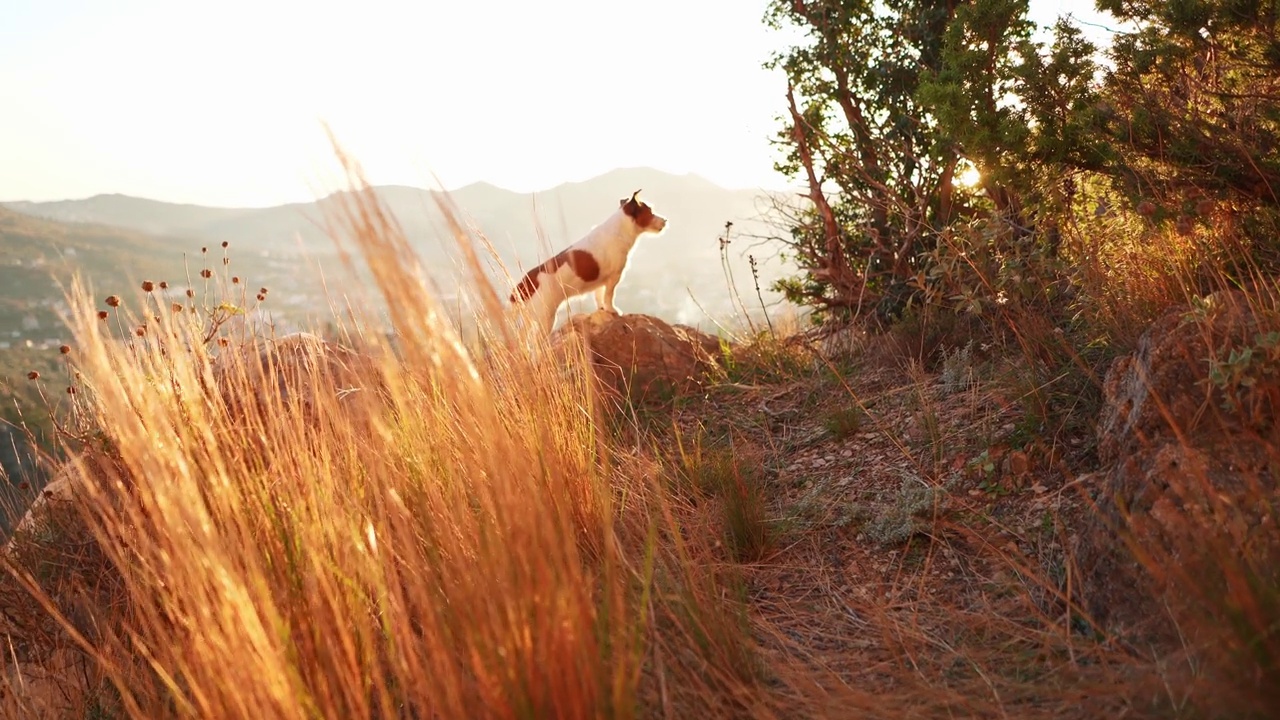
<point>834,261</point>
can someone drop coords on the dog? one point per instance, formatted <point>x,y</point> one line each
<point>594,263</point>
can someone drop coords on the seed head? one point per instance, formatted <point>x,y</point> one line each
<point>235,279</point>
<point>176,307</point>
<point>164,285</point>
<point>261,297</point>
<point>71,390</point>
<point>148,286</point>
<point>204,250</point>
<point>262,291</point>
<point>225,244</point>
<point>33,375</point>
<point>64,349</point>
<point>191,293</point>
<point>113,301</point>
<point>206,273</point>
<point>222,342</point>
<point>226,261</point>
<point>140,331</point>
<point>102,314</point>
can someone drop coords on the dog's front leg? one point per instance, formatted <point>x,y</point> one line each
<point>604,298</point>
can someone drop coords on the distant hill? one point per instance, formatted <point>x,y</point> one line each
<point>686,256</point>
<point>37,254</point>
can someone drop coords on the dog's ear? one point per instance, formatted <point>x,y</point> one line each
<point>630,205</point>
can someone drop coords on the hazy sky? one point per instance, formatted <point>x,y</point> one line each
<point>221,102</point>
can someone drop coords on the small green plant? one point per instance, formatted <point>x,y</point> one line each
<point>958,370</point>
<point>845,422</point>
<point>1246,370</point>
<point>748,531</point>
<point>734,474</point>
<point>908,514</point>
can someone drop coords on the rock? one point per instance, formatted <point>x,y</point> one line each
<point>46,674</point>
<point>1166,378</point>
<point>289,368</point>
<point>1169,456</point>
<point>642,357</point>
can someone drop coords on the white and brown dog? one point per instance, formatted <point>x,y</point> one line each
<point>594,263</point>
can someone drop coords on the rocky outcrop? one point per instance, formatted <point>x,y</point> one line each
<point>640,357</point>
<point>1185,461</point>
<point>289,369</point>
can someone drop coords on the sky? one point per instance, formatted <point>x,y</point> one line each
<point>225,103</point>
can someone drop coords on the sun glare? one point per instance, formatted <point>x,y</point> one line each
<point>969,175</point>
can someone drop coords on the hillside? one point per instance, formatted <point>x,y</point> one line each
<point>39,255</point>
<point>686,257</point>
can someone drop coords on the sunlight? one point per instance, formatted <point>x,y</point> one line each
<point>969,176</point>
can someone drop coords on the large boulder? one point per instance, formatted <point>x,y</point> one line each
<point>640,357</point>
<point>1181,459</point>
<point>289,369</point>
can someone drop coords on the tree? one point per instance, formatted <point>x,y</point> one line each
<point>1193,104</point>
<point>885,99</point>
<point>879,176</point>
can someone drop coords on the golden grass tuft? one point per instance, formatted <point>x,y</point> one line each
<point>429,533</point>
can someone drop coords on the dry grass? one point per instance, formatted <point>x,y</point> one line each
<point>432,534</point>
<point>438,529</point>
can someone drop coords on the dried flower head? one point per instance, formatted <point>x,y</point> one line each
<point>176,307</point>
<point>64,349</point>
<point>71,390</point>
<point>204,250</point>
<point>191,293</point>
<point>148,286</point>
<point>33,375</point>
<point>262,291</point>
<point>102,314</point>
<point>235,279</point>
<point>225,244</point>
<point>140,330</point>
<point>226,261</point>
<point>223,342</point>
<point>113,301</point>
<point>206,273</point>
<point>261,297</point>
<point>164,285</point>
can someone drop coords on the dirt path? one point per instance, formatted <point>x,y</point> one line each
<point>917,545</point>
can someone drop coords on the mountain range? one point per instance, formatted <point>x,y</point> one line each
<point>671,275</point>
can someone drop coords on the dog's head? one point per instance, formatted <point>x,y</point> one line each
<point>641,214</point>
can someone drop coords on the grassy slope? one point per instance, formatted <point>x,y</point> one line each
<point>823,534</point>
<point>36,253</point>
